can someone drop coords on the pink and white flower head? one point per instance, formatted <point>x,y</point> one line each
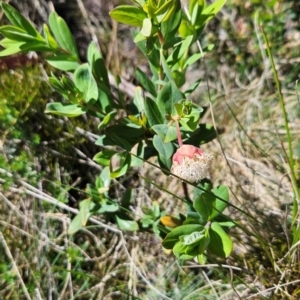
<point>191,163</point>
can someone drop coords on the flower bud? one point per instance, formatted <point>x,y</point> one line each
<point>191,163</point>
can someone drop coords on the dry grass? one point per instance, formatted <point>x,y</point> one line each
<point>101,262</point>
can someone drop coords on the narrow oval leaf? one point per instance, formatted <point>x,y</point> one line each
<point>81,219</point>
<point>16,34</point>
<point>107,119</point>
<point>165,150</point>
<point>85,82</point>
<point>13,48</point>
<point>103,158</point>
<point>129,15</point>
<point>147,27</point>
<point>97,62</point>
<point>152,112</point>
<point>127,224</point>
<point>220,204</point>
<point>220,242</point>
<point>165,132</point>
<point>167,97</point>
<point>162,11</point>
<point>138,100</point>
<point>204,206</point>
<point>63,62</point>
<point>145,82</point>
<point>63,34</point>
<point>68,110</point>
<point>119,164</point>
<point>75,225</point>
<point>108,206</point>
<point>165,66</point>
<point>49,38</point>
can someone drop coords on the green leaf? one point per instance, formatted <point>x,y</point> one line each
<point>179,50</point>
<point>179,251</point>
<point>19,21</point>
<point>213,9</point>
<point>16,34</point>
<point>193,218</point>
<point>195,8</point>
<point>75,225</point>
<point>204,206</point>
<point>145,82</point>
<point>173,237</point>
<point>58,86</point>
<point>167,97</point>
<point>13,48</point>
<point>63,62</point>
<point>108,206</point>
<point>138,154</point>
<point>147,27</point>
<point>152,112</point>
<point>68,110</point>
<point>191,250</point>
<point>130,132</point>
<point>193,58</point>
<point>151,52</point>
<point>129,15</point>
<point>85,82</point>
<point>127,224</point>
<point>105,99</point>
<point>165,132</point>
<point>192,239</point>
<point>63,34</point>
<point>97,62</point>
<point>165,150</point>
<point>155,209</point>
<point>204,242</point>
<point>103,158</point>
<point>227,224</point>
<point>121,141</point>
<point>171,22</point>
<point>207,14</point>
<point>138,100</point>
<point>190,121</point>
<point>49,37</point>
<point>105,176</point>
<point>192,88</point>
<point>119,164</point>
<point>220,243</point>
<point>204,134</point>
<point>107,119</point>
<point>218,206</point>
<point>82,217</point>
<point>127,198</point>
<point>164,12</point>
<point>165,66</point>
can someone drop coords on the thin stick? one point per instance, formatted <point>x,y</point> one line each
<point>8,253</point>
<point>30,190</point>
